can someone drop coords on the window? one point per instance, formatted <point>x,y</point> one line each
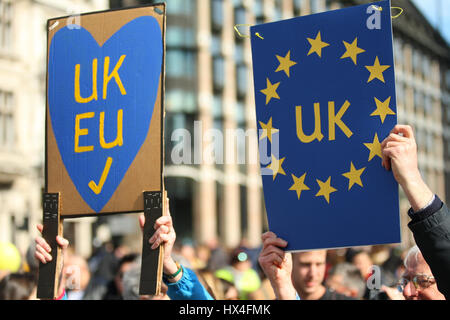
<point>297,7</point>
<point>217,15</point>
<point>180,63</point>
<point>218,73</point>
<point>277,12</point>
<point>180,7</point>
<point>180,37</point>
<point>7,128</point>
<point>217,107</point>
<point>258,11</point>
<point>241,75</point>
<point>6,17</point>
<point>178,100</point>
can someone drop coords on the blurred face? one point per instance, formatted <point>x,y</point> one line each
<point>335,282</point>
<point>419,283</point>
<point>363,262</point>
<point>308,270</point>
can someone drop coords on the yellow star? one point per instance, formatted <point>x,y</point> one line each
<point>299,184</point>
<point>374,147</point>
<point>268,130</point>
<point>271,91</point>
<point>317,45</point>
<point>275,166</point>
<point>383,109</point>
<point>376,71</point>
<point>285,63</point>
<point>352,50</point>
<point>354,176</point>
<point>325,189</point>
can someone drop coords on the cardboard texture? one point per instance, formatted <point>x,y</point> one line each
<point>104,134</point>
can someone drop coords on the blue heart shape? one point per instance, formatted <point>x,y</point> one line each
<point>136,51</point>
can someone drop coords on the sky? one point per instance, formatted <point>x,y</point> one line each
<point>430,9</point>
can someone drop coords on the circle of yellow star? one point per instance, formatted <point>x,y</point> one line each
<point>354,176</point>
<point>268,130</point>
<point>325,189</point>
<point>382,109</point>
<point>285,63</point>
<point>299,184</point>
<point>376,71</point>
<point>317,45</point>
<point>275,166</point>
<point>271,91</point>
<point>374,147</point>
<point>352,50</point>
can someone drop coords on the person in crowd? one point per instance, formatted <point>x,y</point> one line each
<point>345,278</point>
<point>418,282</point>
<point>182,282</point>
<point>114,290</point>
<point>241,274</point>
<point>430,217</point>
<point>18,286</point>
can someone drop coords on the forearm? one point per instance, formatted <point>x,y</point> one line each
<point>417,192</point>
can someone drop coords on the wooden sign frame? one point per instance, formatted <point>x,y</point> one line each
<point>143,179</point>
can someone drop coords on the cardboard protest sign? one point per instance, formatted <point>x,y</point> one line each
<point>325,99</point>
<point>104,127</point>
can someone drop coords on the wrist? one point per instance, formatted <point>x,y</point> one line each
<point>170,266</point>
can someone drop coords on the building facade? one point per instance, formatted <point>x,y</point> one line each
<point>23,49</point>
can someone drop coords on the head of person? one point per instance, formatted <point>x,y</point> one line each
<point>361,259</point>
<point>308,271</point>
<point>346,279</point>
<point>126,263</point>
<point>240,260</point>
<point>418,283</point>
<point>76,273</point>
<point>18,286</point>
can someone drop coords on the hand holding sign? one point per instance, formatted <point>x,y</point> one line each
<point>399,151</point>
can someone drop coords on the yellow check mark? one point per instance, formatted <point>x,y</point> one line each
<point>98,188</point>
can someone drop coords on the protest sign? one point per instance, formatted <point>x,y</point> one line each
<point>325,100</point>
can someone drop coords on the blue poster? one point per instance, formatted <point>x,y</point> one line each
<point>325,100</point>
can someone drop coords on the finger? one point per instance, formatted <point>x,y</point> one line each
<point>164,220</point>
<point>62,242</point>
<point>268,234</point>
<point>142,221</point>
<point>406,130</point>
<point>40,257</point>
<point>43,252</point>
<point>271,259</point>
<point>40,227</point>
<point>275,242</point>
<point>161,239</point>
<point>43,244</point>
<point>161,230</point>
<point>272,249</point>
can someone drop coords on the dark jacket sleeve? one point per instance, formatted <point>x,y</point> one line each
<point>432,234</point>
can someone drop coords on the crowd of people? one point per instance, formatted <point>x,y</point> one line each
<point>208,271</point>
<point>227,274</point>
